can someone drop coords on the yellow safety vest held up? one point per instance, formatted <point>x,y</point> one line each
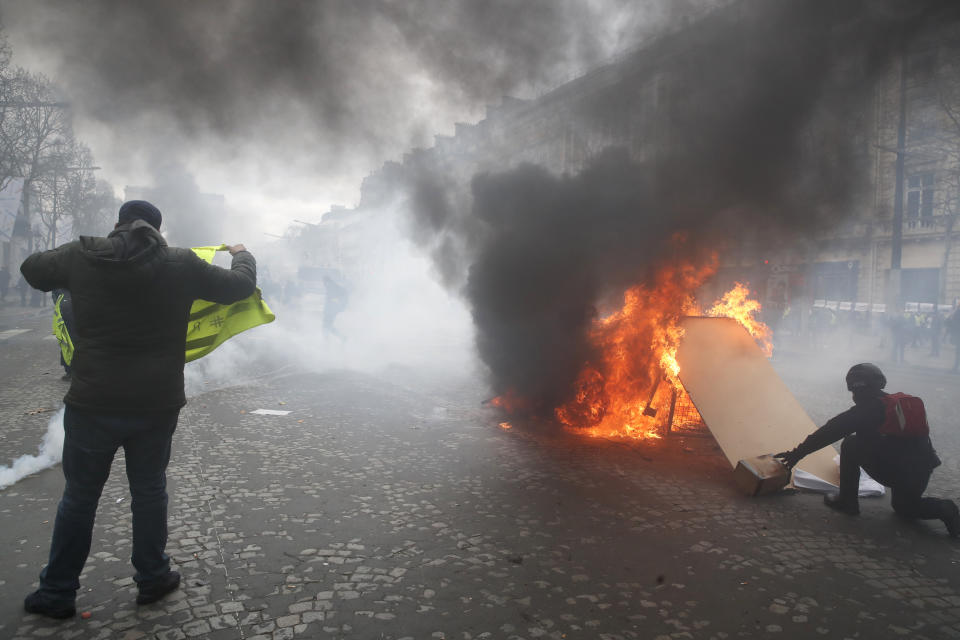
<point>60,331</point>
<point>211,324</point>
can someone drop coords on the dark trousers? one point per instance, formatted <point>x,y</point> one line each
<point>899,348</point>
<point>90,442</point>
<point>906,488</point>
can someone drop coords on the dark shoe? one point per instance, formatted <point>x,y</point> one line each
<point>153,591</point>
<point>40,604</point>
<point>833,501</point>
<point>952,519</point>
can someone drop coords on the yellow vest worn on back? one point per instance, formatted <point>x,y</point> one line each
<point>60,331</point>
<point>211,324</point>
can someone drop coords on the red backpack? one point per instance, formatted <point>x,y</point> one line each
<point>904,415</point>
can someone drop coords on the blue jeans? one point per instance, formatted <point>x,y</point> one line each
<point>90,442</point>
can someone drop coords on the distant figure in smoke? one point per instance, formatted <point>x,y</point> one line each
<point>913,329</point>
<point>22,287</point>
<point>131,298</point>
<point>335,301</point>
<point>899,336</point>
<point>291,293</point>
<point>65,327</point>
<point>4,283</point>
<point>887,435</point>
<point>953,330</point>
<point>821,323</point>
<point>936,333</point>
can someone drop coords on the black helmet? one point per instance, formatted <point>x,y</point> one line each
<point>865,376</point>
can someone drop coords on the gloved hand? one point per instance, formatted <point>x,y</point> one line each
<point>789,458</point>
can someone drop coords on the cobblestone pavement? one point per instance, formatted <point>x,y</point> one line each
<point>394,506</point>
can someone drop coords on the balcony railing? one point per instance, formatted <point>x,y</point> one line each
<point>924,223</point>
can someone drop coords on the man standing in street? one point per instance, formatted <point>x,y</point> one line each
<point>22,287</point>
<point>936,333</point>
<point>335,301</point>
<point>900,330</point>
<point>953,330</point>
<point>4,283</point>
<point>131,300</point>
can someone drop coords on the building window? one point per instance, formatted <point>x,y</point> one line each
<point>920,196</point>
<point>836,280</point>
<point>922,64</point>
<point>920,285</point>
<point>922,72</point>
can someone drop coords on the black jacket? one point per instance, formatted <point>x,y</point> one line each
<point>131,300</point>
<point>886,456</point>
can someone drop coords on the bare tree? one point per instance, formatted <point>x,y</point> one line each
<point>947,148</point>
<point>96,210</point>
<point>7,113</point>
<point>63,189</point>
<point>36,128</point>
<point>60,195</point>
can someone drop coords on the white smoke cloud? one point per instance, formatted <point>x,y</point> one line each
<point>397,314</point>
<point>50,453</point>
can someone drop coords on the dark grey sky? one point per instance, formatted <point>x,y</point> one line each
<point>286,105</point>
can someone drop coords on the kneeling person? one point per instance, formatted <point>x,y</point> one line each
<point>887,435</point>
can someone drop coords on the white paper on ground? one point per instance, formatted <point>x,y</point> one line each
<point>869,487</point>
<point>270,412</point>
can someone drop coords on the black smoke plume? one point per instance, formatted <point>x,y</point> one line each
<point>306,92</point>
<point>763,131</point>
<point>314,83</point>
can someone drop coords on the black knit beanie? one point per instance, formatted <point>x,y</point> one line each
<point>140,210</point>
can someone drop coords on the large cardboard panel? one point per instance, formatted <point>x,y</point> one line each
<point>742,400</point>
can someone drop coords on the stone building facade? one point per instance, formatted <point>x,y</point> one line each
<point>563,129</point>
<point>854,263</point>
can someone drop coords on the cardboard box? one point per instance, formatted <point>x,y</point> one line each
<point>760,475</point>
<point>744,403</point>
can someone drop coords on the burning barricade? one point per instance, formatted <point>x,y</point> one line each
<point>667,365</point>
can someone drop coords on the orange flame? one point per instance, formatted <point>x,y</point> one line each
<point>631,387</point>
<point>628,391</point>
<point>511,402</point>
<point>737,305</point>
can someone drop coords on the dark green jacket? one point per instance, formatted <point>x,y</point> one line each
<point>131,300</point>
